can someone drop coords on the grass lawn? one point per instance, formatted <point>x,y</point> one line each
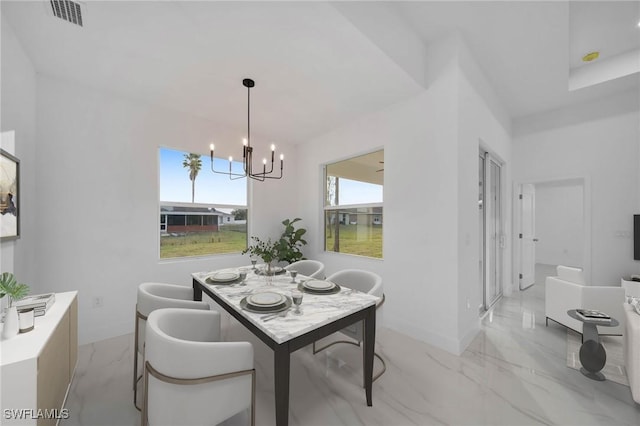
<point>229,239</point>
<point>362,240</point>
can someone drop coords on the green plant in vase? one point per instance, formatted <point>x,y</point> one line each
<point>9,286</point>
<point>291,242</point>
<point>266,250</point>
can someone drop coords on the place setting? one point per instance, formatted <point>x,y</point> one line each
<point>266,302</point>
<point>318,287</point>
<point>228,277</point>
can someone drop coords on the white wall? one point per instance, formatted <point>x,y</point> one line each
<point>97,160</point>
<point>431,175</point>
<point>479,127</point>
<point>420,253</point>
<point>559,220</point>
<point>603,149</point>
<point>18,107</point>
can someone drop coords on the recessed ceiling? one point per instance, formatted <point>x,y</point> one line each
<point>525,47</point>
<point>610,28</point>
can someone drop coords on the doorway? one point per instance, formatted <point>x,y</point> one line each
<point>551,219</point>
<point>491,232</point>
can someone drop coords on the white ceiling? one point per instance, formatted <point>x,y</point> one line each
<point>526,48</point>
<point>603,27</point>
<point>314,70</point>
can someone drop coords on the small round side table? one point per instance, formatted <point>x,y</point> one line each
<point>592,354</point>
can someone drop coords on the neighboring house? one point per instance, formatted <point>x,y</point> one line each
<point>179,219</point>
<point>364,216</point>
<point>226,218</point>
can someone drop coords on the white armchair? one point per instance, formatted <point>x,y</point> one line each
<point>152,296</point>
<point>191,377</point>
<point>309,268</point>
<point>366,282</point>
<point>568,291</point>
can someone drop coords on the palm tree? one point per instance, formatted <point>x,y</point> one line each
<point>194,164</point>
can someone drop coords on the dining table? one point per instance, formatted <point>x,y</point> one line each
<point>322,313</point>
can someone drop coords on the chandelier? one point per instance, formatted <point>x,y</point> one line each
<point>247,151</point>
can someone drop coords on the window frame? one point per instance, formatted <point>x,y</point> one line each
<point>326,207</point>
<point>217,206</point>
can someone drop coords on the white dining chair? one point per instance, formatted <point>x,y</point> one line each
<point>191,378</point>
<point>366,282</point>
<point>307,267</point>
<point>152,296</point>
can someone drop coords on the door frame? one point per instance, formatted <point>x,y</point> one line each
<point>586,223</point>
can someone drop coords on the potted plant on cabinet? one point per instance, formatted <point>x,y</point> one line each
<point>10,287</point>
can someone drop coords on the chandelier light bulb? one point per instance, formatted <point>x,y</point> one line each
<point>230,159</point>
<point>244,141</point>
<point>273,147</point>
<point>281,157</point>
<point>211,147</point>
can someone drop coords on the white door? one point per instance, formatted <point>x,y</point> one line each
<point>527,238</point>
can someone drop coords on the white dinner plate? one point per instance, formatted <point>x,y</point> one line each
<point>318,285</point>
<point>224,276</point>
<point>266,299</point>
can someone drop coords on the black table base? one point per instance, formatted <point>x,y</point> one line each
<point>593,356</point>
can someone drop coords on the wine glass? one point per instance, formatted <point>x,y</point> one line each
<point>254,260</point>
<point>243,276</point>
<point>293,273</point>
<point>296,296</point>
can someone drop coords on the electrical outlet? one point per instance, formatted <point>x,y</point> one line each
<point>623,234</point>
<point>98,302</point>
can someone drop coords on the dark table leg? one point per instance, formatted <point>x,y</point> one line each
<point>369,348</point>
<point>592,354</point>
<point>197,291</point>
<point>281,358</point>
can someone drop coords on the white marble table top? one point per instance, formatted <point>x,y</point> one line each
<point>317,310</point>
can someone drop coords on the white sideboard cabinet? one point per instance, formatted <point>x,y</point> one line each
<point>36,368</point>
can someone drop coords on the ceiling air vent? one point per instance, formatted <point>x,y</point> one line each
<point>67,10</point>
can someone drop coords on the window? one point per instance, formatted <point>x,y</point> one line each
<point>353,213</point>
<point>201,213</point>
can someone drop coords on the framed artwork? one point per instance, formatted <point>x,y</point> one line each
<point>9,196</point>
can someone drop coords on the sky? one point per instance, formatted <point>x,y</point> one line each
<point>356,192</point>
<point>212,188</point>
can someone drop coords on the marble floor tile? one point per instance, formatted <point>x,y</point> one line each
<point>513,373</point>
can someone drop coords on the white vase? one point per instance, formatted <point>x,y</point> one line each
<point>10,328</point>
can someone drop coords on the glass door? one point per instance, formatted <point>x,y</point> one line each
<point>492,238</point>
<point>481,209</point>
